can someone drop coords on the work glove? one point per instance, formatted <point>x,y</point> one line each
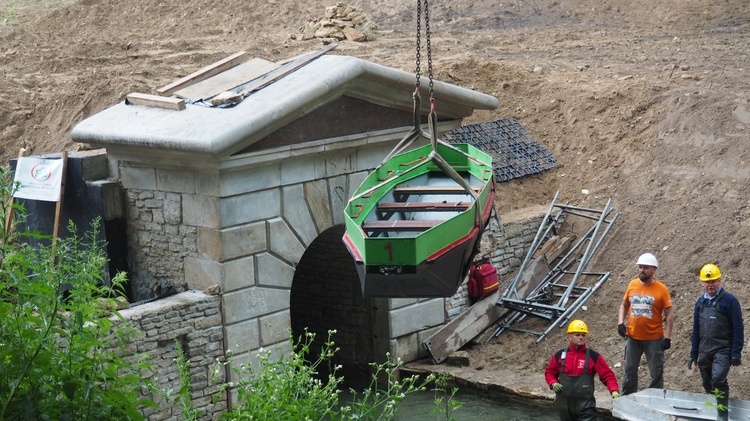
<point>736,361</point>
<point>622,330</point>
<point>691,361</point>
<point>557,387</point>
<point>666,344</point>
<point>615,394</point>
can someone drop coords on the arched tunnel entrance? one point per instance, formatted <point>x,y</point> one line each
<point>326,296</point>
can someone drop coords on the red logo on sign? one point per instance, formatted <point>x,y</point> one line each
<point>41,172</point>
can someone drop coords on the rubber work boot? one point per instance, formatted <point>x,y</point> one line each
<point>722,408</point>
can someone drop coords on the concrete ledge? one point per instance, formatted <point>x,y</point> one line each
<point>182,299</point>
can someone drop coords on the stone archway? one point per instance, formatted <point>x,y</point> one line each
<point>326,296</point>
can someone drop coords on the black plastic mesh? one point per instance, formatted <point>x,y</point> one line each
<point>514,152</point>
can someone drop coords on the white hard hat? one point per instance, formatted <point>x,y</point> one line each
<point>648,259</point>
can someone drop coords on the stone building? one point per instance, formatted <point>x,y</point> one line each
<point>250,198</point>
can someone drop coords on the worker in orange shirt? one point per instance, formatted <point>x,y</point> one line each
<point>648,307</point>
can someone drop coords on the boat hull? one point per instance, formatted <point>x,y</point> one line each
<point>425,248</point>
<point>668,405</point>
<point>438,276</point>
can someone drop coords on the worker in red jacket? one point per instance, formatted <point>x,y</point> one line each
<point>570,374</point>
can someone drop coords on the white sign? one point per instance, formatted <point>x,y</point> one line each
<point>39,179</point>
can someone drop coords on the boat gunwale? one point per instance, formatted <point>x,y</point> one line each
<point>475,162</point>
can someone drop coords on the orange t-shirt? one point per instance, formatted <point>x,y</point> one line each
<point>647,303</point>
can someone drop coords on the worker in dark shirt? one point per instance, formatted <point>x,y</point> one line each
<point>570,374</point>
<point>718,337</point>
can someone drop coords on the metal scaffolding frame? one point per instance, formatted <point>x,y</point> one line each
<point>565,288</point>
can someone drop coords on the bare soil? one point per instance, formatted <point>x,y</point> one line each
<point>645,102</point>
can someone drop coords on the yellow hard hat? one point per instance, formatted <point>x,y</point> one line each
<point>578,326</point>
<point>710,272</point>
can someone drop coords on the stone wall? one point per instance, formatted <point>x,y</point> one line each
<point>411,321</point>
<point>506,243</point>
<point>193,319</point>
<point>155,223</point>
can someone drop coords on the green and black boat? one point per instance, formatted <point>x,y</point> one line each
<point>414,224</point>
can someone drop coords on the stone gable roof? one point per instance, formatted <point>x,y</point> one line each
<point>222,132</point>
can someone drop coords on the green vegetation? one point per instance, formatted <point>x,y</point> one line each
<point>288,388</point>
<point>719,395</point>
<point>59,355</point>
<point>183,393</point>
<point>445,402</point>
<point>64,350</point>
<point>11,11</point>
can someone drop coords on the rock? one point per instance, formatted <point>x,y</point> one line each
<point>339,22</point>
<point>352,34</point>
<point>343,23</point>
<point>212,290</point>
<point>458,359</point>
<point>327,32</point>
<point>308,31</point>
<point>358,19</point>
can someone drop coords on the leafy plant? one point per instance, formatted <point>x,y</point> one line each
<point>380,401</point>
<point>720,396</point>
<point>445,401</point>
<point>284,387</point>
<point>183,394</point>
<point>61,357</point>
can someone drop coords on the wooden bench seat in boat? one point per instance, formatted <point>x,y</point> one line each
<point>423,206</point>
<point>423,190</point>
<point>399,225</point>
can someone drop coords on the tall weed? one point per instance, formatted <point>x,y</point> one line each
<point>61,357</point>
<point>287,386</point>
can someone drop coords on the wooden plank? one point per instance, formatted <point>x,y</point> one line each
<point>204,73</point>
<point>483,314</point>
<point>453,189</point>
<point>459,331</point>
<point>155,101</point>
<point>59,207</point>
<point>229,79</point>
<point>534,274</point>
<point>423,206</point>
<point>561,246</point>
<point>9,212</point>
<point>281,72</point>
<point>399,225</point>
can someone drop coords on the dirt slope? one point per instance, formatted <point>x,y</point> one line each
<point>645,102</point>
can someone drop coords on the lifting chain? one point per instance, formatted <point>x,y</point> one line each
<point>420,5</point>
<point>419,42</point>
<point>429,48</point>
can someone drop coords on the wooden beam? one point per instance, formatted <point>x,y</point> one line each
<point>227,98</point>
<point>453,189</point>
<point>454,335</point>
<point>423,206</point>
<point>558,247</point>
<point>399,225</point>
<point>149,100</point>
<point>483,314</point>
<point>203,73</point>
<point>229,79</point>
<point>9,213</point>
<point>59,207</point>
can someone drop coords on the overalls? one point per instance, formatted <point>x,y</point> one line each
<point>715,349</point>
<point>576,401</point>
